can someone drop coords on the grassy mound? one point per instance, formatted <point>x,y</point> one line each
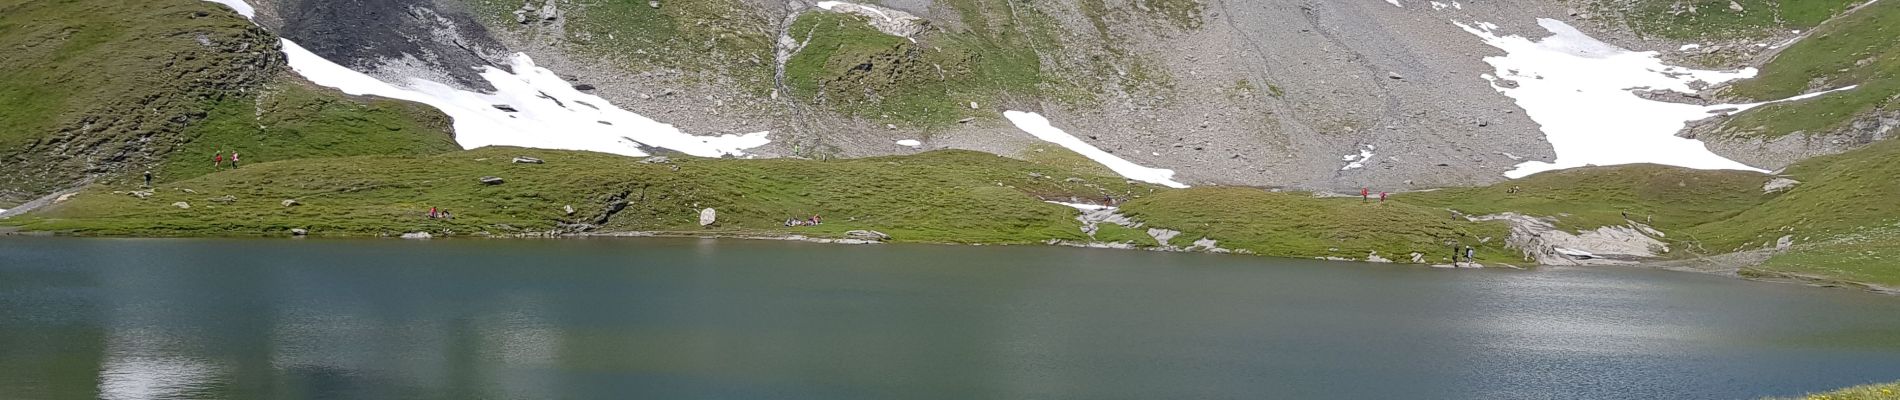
<point>1713,19</point>
<point>1301,225</point>
<point>1586,198</point>
<point>1844,218</point>
<point>291,119</point>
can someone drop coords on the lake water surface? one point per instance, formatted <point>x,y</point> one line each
<point>689,318</point>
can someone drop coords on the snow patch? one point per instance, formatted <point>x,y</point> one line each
<point>1579,90</point>
<point>1439,6</point>
<point>1040,127</point>
<point>1082,206</point>
<point>1356,161</point>
<point>1395,3</point>
<point>1687,47</point>
<point>909,143</point>
<point>531,107</point>
<point>240,6</point>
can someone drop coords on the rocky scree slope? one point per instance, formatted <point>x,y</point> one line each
<point>1264,93</point>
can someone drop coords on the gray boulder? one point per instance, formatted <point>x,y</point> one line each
<point>491,180</point>
<point>299,232</point>
<point>867,235</point>
<point>528,160</point>
<point>291,203</point>
<point>182,205</point>
<point>417,235</point>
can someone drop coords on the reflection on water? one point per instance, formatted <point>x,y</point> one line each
<point>208,319</point>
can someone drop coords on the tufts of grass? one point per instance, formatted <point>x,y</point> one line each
<point>850,67</point>
<point>1878,391</point>
<point>1843,218</point>
<point>1301,225</point>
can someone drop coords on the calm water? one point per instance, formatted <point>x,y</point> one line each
<point>656,318</point>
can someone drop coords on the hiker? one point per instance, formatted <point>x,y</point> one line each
<point>1365,195</point>
<point>234,160</point>
<point>1468,253</point>
<point>447,216</point>
<point>217,161</point>
<point>1382,197</point>
<point>1626,215</point>
<point>1454,253</point>
<point>148,178</point>
<point>433,213</point>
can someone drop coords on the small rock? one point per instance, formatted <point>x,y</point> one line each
<point>583,87</point>
<point>867,235</point>
<point>973,105</point>
<point>291,203</point>
<point>225,199</point>
<point>656,160</point>
<point>1036,175</point>
<point>505,107</point>
<point>653,3</point>
<point>299,232</point>
<point>527,160</point>
<point>707,217</point>
<point>182,205</point>
<point>1074,180</point>
<point>890,126</point>
<point>568,208</point>
<point>141,194</point>
<point>966,120</point>
<point>64,197</point>
<point>1394,75</point>
<point>418,236</point>
<point>491,180</point>
<point>1734,6</point>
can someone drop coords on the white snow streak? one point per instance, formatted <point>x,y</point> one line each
<point>1439,6</point>
<point>909,143</point>
<point>1395,3</point>
<point>829,5</point>
<point>1083,207</point>
<point>240,6</point>
<point>1039,127</point>
<point>1687,47</point>
<point>1579,90</point>
<point>549,112</point>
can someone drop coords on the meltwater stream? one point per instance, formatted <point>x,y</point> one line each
<point>663,318</point>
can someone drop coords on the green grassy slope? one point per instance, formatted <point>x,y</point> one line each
<point>951,196</point>
<point>290,119</point>
<point>1301,225</point>
<point>1586,198</point>
<point>1862,48</point>
<point>1844,217</point>
<point>91,86</point>
<point>107,88</point>
<point>854,69</point>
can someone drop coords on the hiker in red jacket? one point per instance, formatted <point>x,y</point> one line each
<point>1365,195</point>
<point>1381,197</point>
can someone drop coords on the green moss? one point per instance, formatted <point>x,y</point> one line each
<point>291,120</point>
<point>1301,225</point>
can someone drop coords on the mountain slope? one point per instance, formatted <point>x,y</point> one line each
<point>103,89</point>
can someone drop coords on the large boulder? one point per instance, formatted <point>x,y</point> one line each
<point>299,232</point>
<point>417,235</point>
<point>707,217</point>
<point>491,180</point>
<point>867,235</point>
<point>291,203</point>
<point>182,205</point>
<point>528,160</point>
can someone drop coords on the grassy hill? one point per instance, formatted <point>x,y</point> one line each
<point>98,89</point>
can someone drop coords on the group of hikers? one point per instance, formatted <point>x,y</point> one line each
<point>435,213</point>
<point>1365,195</point>
<point>1469,253</point>
<point>813,221</point>
<point>217,160</point>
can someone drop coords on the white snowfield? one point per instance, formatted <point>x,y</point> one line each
<point>545,111</point>
<point>1580,91</point>
<point>1039,127</point>
<point>910,143</point>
